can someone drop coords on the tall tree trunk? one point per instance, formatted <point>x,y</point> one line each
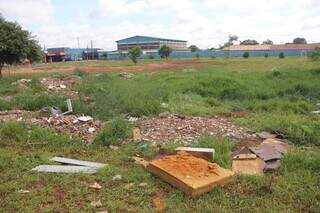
<point>1,66</point>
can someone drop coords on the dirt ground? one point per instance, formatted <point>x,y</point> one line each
<point>104,66</point>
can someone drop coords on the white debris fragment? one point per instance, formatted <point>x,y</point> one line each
<point>91,130</point>
<point>96,203</point>
<point>85,118</point>
<point>117,177</point>
<point>95,186</point>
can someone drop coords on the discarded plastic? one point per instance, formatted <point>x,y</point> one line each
<point>85,118</point>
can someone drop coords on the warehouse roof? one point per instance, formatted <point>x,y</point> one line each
<point>273,47</point>
<point>145,39</point>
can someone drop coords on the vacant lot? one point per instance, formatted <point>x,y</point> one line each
<point>256,93</point>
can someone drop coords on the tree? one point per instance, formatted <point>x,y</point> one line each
<point>16,44</point>
<point>193,48</point>
<point>229,43</point>
<point>299,41</point>
<point>165,51</point>
<point>134,54</point>
<point>249,42</point>
<point>246,55</point>
<point>314,55</point>
<point>268,41</point>
<point>281,55</point>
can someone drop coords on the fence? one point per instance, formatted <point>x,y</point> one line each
<point>207,54</point>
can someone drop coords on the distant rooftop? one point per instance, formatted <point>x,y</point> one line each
<point>145,39</point>
<point>273,47</point>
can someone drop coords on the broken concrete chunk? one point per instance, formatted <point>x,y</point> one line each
<point>141,161</point>
<point>85,118</point>
<point>278,145</point>
<point>95,186</point>
<point>117,177</point>
<point>78,162</point>
<point>205,153</point>
<point>266,152</point>
<point>65,169</point>
<point>136,134</point>
<point>272,165</point>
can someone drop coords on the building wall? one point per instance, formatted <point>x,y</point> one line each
<point>209,54</point>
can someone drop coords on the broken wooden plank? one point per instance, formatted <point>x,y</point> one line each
<point>253,166</point>
<point>65,169</point>
<point>78,162</point>
<point>206,153</point>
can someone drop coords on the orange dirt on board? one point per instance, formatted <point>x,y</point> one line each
<point>192,171</point>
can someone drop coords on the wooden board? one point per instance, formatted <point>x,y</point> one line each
<point>192,184</point>
<point>251,166</point>
<point>204,153</point>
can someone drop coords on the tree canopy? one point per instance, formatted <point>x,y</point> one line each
<point>299,41</point>
<point>268,41</point>
<point>165,51</point>
<point>134,54</point>
<point>249,42</point>
<point>16,44</point>
<point>193,48</point>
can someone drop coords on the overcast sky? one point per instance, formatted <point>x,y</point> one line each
<point>206,23</point>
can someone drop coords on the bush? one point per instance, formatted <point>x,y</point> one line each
<point>197,56</point>
<point>246,55</point>
<point>266,55</point>
<point>315,55</point>
<point>281,55</point>
<point>115,131</point>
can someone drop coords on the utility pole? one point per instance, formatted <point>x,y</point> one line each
<point>92,50</point>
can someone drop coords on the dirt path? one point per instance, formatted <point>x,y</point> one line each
<point>103,66</point>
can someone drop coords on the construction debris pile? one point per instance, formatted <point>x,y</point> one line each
<point>256,160</point>
<point>170,127</point>
<point>57,84</point>
<point>83,127</point>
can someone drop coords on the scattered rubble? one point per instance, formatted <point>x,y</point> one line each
<point>192,175</point>
<point>157,204</point>
<point>136,133</point>
<point>114,148</point>
<point>169,127</point>
<point>257,160</point>
<point>77,127</point>
<point>96,204</point>
<point>117,177</point>
<point>126,75</point>
<point>140,161</point>
<point>95,186</point>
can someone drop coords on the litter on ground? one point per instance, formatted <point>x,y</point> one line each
<point>70,166</point>
<point>259,159</point>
